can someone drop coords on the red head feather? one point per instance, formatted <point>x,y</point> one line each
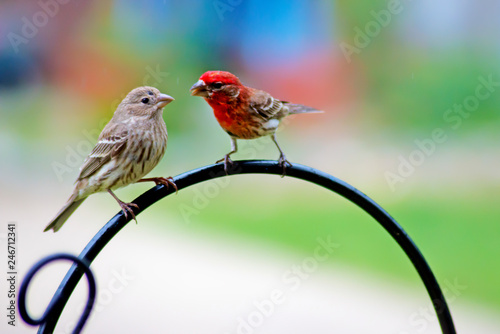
<point>222,76</point>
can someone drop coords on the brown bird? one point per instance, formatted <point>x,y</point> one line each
<point>244,112</point>
<point>128,148</point>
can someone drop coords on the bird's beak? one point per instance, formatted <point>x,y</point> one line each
<point>199,89</point>
<point>163,100</point>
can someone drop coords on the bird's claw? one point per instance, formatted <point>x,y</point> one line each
<point>127,207</point>
<point>282,162</point>
<point>167,182</point>
<point>227,161</point>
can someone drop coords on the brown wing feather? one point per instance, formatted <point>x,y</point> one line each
<point>105,149</point>
<point>265,106</point>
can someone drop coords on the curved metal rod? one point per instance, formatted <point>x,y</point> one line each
<point>257,167</point>
<point>23,310</point>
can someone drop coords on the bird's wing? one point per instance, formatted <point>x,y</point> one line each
<point>106,148</point>
<point>265,106</point>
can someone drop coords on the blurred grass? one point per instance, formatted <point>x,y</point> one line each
<point>457,234</point>
<point>418,97</point>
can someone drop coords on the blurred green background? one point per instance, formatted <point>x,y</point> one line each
<point>388,75</point>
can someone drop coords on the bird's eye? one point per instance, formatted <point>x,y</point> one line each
<point>150,93</point>
<point>217,85</point>
<point>145,100</point>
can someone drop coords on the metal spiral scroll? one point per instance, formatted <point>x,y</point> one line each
<point>84,268</point>
<point>49,319</point>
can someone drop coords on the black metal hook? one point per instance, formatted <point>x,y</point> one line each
<point>305,173</point>
<point>79,263</point>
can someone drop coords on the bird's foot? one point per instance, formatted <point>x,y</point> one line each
<point>126,207</point>
<point>227,162</point>
<point>166,181</point>
<point>282,162</point>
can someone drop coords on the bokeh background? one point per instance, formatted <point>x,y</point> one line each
<point>410,90</point>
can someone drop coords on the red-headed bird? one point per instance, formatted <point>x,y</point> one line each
<point>244,112</point>
<point>129,147</point>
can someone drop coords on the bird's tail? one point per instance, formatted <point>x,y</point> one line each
<point>301,109</point>
<point>64,214</point>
